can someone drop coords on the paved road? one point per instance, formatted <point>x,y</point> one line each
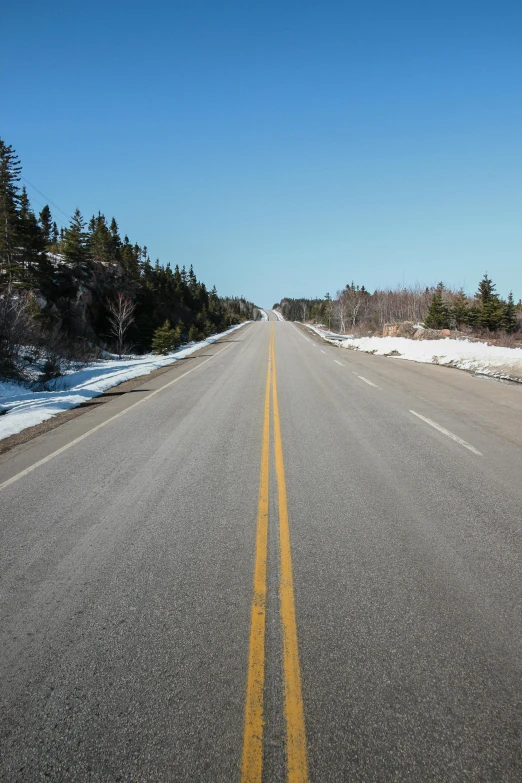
<point>386,646</point>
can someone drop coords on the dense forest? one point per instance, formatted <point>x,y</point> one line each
<point>355,309</point>
<point>69,293</point>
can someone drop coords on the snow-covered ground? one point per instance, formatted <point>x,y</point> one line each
<point>264,316</point>
<point>26,408</point>
<point>279,315</point>
<point>480,358</point>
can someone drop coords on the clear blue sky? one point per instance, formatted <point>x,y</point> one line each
<point>283,148</point>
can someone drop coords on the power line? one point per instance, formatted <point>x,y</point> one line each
<point>50,201</point>
<point>40,203</point>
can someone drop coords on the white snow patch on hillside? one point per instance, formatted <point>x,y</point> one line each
<point>26,408</point>
<point>481,358</point>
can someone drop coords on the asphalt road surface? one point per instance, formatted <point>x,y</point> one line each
<point>279,561</point>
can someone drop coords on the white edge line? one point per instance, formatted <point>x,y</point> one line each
<point>448,433</point>
<point>302,335</point>
<point>103,424</point>
<point>370,383</point>
<point>322,351</point>
<point>342,365</point>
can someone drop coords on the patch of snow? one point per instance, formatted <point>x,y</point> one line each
<point>480,358</point>
<point>264,316</point>
<point>23,408</point>
<point>326,334</point>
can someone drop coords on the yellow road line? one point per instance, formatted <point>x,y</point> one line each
<point>252,764</point>
<point>297,764</point>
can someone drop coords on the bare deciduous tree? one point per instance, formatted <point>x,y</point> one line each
<point>340,310</point>
<point>121,317</point>
<point>349,306</point>
<point>16,331</point>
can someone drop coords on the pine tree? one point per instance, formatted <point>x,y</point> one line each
<point>510,319</point>
<point>486,290</point>
<point>100,242</point>
<point>474,316</point>
<point>115,240</point>
<point>193,334</point>
<point>10,169</point>
<point>74,244</point>
<point>491,306</point>
<point>31,243</point>
<point>438,316</point>
<point>460,310</point>
<point>129,257</point>
<point>166,338</point>
<point>46,223</point>
<point>192,279</point>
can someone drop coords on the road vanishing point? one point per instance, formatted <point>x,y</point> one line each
<point>279,561</point>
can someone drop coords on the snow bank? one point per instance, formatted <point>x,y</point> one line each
<point>26,408</point>
<point>480,358</point>
<point>264,316</point>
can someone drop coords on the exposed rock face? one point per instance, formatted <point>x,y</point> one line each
<point>406,329</point>
<point>430,334</point>
<point>84,300</point>
<point>417,332</point>
<point>402,329</point>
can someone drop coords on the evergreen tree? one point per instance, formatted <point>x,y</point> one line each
<point>486,290</point>
<point>75,241</point>
<point>100,241</point>
<point>129,257</point>
<point>31,243</point>
<point>192,280</point>
<point>438,316</point>
<point>10,169</point>
<point>115,240</point>
<point>162,295</point>
<point>491,306</point>
<point>510,319</point>
<point>475,316</point>
<point>166,338</point>
<point>46,223</point>
<point>460,310</point>
<point>193,335</point>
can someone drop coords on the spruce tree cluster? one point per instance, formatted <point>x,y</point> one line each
<point>438,316</point>
<point>166,338</point>
<point>437,308</point>
<point>65,279</point>
<point>488,312</point>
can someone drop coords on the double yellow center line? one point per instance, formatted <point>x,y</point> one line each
<point>252,765</point>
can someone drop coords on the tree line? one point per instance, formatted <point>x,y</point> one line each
<point>66,293</point>
<point>354,308</point>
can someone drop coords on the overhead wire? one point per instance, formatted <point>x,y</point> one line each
<point>50,201</point>
<point>40,203</point>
